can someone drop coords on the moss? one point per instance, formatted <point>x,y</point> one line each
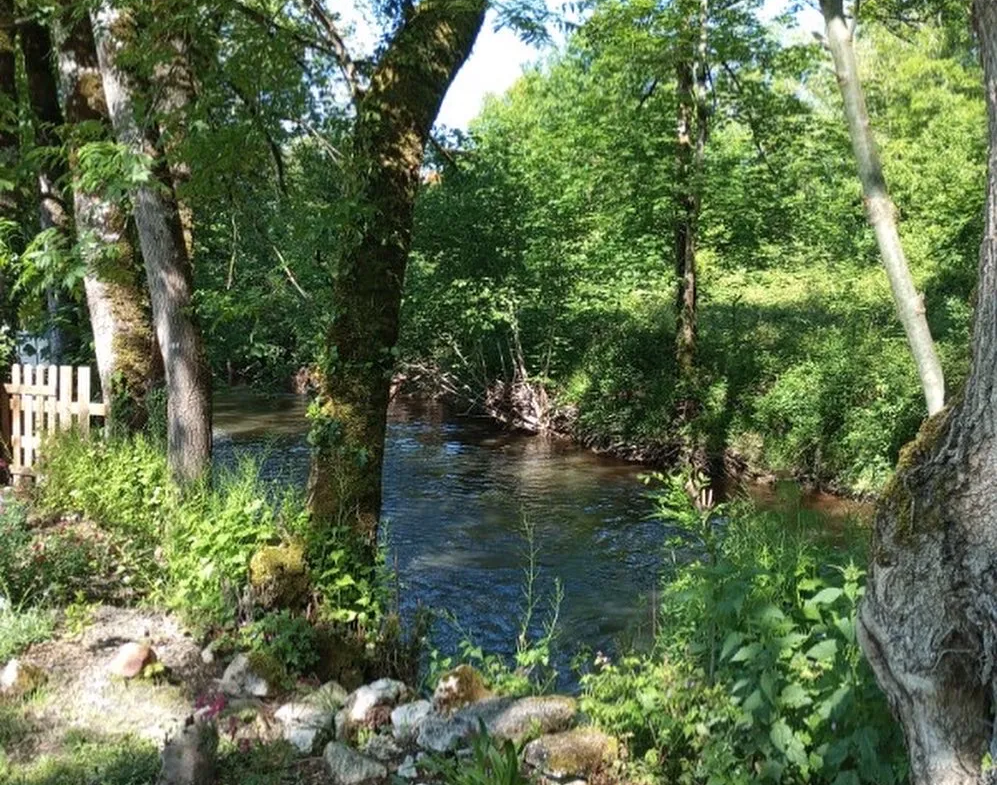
<point>267,667</point>
<point>459,687</point>
<point>579,752</point>
<point>897,498</point>
<point>279,575</point>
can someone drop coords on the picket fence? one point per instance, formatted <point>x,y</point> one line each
<point>40,399</point>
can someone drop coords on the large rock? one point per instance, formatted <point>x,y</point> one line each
<point>20,678</point>
<point>532,717</point>
<point>348,767</point>
<point>131,659</point>
<point>302,721</point>
<point>405,719</point>
<point>381,747</point>
<point>503,718</point>
<point>459,687</point>
<point>189,757</point>
<point>574,753</point>
<point>244,677</point>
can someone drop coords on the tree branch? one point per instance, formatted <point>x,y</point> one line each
<point>337,46</point>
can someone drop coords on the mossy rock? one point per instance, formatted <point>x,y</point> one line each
<point>268,668</point>
<point>279,576</point>
<point>574,753</point>
<point>459,687</point>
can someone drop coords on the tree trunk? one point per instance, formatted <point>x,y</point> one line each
<point>53,211</point>
<point>167,263</point>
<point>9,213</point>
<point>928,622</point>
<point>116,297</point>
<point>693,127</point>
<point>880,209</point>
<point>394,117</point>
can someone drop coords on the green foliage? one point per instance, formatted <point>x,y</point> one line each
<point>757,674</point>
<point>86,759</point>
<point>288,639</point>
<point>550,229</point>
<point>491,762</point>
<point>191,549</point>
<point>19,628</point>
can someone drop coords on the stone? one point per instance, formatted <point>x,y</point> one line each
<point>574,753</point>
<point>19,679</point>
<point>381,747</point>
<point>131,659</point>
<point>189,757</point>
<point>304,720</point>
<point>209,652</point>
<point>279,575</point>
<point>242,679</point>
<point>348,767</point>
<point>383,692</point>
<point>533,716</point>
<point>458,688</point>
<point>407,769</point>
<point>406,718</point>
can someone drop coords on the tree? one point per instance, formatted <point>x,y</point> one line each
<point>128,361</point>
<point>928,622</point>
<point>394,114</point>
<point>164,251</point>
<point>879,206</point>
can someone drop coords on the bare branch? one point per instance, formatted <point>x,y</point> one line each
<point>337,45</point>
<point>287,271</point>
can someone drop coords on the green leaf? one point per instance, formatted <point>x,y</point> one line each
<point>823,651</point>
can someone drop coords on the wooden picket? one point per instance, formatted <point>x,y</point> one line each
<point>40,399</point>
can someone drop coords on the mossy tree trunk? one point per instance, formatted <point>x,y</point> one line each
<point>394,117</point>
<point>117,300</point>
<point>880,208</point>
<point>928,622</point>
<point>168,267</point>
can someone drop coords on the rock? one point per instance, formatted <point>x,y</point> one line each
<point>348,767</point>
<point>243,678</point>
<point>279,576</point>
<point>189,758</point>
<point>19,679</point>
<point>407,770</point>
<point>304,720</point>
<point>381,747</point>
<point>131,659</point>
<point>406,718</point>
<point>533,716</point>
<point>574,753</point>
<point>383,692</point>
<point>459,687</point>
<point>503,718</point>
<point>208,652</point>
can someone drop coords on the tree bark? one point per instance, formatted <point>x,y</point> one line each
<point>117,300</point>
<point>9,213</point>
<point>53,210</point>
<point>880,208</point>
<point>928,621</point>
<point>167,262</point>
<point>394,117</point>
<point>692,131</point>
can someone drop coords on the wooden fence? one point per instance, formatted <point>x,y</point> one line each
<point>40,399</point>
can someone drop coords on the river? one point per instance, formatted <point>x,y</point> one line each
<point>457,491</point>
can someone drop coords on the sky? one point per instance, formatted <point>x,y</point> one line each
<point>499,57</point>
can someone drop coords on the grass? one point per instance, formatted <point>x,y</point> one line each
<point>19,628</point>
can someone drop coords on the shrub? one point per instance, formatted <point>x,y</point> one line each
<point>491,762</point>
<point>772,685</point>
<point>19,628</point>
<point>288,639</point>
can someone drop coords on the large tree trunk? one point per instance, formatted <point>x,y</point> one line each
<point>879,207</point>
<point>116,297</point>
<point>928,623</point>
<point>394,117</point>
<point>9,213</point>
<point>167,263</point>
<point>53,211</point>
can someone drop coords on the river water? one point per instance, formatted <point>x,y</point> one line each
<point>457,491</point>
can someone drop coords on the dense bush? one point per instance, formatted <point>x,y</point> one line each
<point>757,674</point>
